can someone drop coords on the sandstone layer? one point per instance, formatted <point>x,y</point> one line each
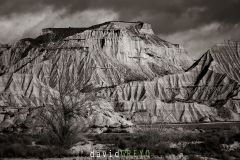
<point>135,76</point>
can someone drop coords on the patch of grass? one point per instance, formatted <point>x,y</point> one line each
<point>209,143</point>
<point>15,138</point>
<point>19,145</point>
<point>24,151</point>
<point>194,157</point>
<point>235,153</point>
<point>143,141</point>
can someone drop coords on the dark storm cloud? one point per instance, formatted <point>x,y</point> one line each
<point>196,24</point>
<point>166,16</point>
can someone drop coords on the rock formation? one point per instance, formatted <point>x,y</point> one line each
<point>135,76</point>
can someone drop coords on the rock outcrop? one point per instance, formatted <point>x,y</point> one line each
<point>209,89</point>
<point>135,76</point>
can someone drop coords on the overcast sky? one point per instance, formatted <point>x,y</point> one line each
<point>196,24</point>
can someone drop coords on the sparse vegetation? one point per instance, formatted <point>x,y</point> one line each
<point>56,118</point>
<point>66,106</point>
<point>208,143</point>
<point>14,145</point>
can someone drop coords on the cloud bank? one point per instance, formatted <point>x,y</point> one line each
<point>197,24</point>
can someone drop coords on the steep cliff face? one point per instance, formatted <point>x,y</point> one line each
<point>208,90</point>
<point>135,75</point>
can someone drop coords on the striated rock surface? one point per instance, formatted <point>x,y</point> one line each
<point>208,90</point>
<point>136,76</point>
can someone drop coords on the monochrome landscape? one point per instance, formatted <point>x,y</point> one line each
<point>118,90</point>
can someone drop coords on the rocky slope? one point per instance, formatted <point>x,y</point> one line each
<point>135,76</point>
<point>207,91</point>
